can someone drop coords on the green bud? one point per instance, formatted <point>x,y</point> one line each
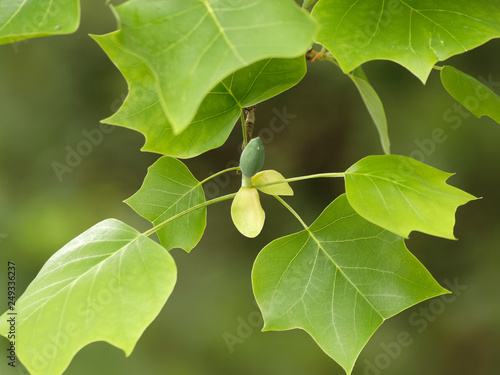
<point>252,157</point>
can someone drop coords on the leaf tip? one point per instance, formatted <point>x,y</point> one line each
<point>446,291</point>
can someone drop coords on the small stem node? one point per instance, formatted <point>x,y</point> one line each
<point>246,181</point>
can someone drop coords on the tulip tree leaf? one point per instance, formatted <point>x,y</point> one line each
<point>23,19</point>
<point>338,280</point>
<point>169,189</point>
<point>191,45</point>
<point>374,106</point>
<point>218,112</point>
<point>401,194</point>
<point>108,284</point>
<point>415,34</point>
<point>472,94</point>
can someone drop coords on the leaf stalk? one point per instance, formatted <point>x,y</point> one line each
<point>189,210</point>
<point>301,178</point>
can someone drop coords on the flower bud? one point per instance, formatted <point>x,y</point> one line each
<point>252,157</point>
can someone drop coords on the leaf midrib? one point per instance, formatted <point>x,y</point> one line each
<point>9,20</point>
<point>222,32</point>
<point>168,208</point>
<point>341,271</point>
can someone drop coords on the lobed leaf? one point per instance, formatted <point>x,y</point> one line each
<point>401,194</point>
<point>338,280</point>
<point>108,284</point>
<point>23,19</point>
<point>413,33</point>
<point>169,189</point>
<point>472,94</point>
<point>374,106</point>
<point>217,114</point>
<point>191,45</point>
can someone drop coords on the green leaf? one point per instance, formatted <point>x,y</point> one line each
<point>415,34</point>
<point>374,106</point>
<point>218,112</point>
<point>168,189</point>
<point>108,284</point>
<point>401,194</point>
<point>191,45</point>
<point>338,280</point>
<point>247,213</point>
<point>472,94</point>
<point>23,19</point>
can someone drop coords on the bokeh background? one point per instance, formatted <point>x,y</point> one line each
<point>51,89</point>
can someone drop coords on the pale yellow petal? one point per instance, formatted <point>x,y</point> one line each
<point>270,176</point>
<point>247,213</point>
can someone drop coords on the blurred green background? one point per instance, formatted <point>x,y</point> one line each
<point>51,89</point>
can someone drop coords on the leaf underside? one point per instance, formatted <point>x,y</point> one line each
<point>338,280</point>
<point>168,189</point>
<point>108,284</point>
<point>22,19</point>
<point>192,45</point>
<point>219,111</point>
<point>414,33</point>
<point>472,94</point>
<point>401,194</point>
<point>374,106</point>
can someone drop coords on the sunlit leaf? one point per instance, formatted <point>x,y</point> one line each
<point>24,19</point>
<point>168,189</point>
<point>374,106</point>
<point>415,34</point>
<point>401,194</point>
<point>108,284</point>
<point>191,45</point>
<point>338,280</point>
<point>472,94</point>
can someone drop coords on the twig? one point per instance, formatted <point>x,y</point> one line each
<point>250,121</point>
<point>313,55</point>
